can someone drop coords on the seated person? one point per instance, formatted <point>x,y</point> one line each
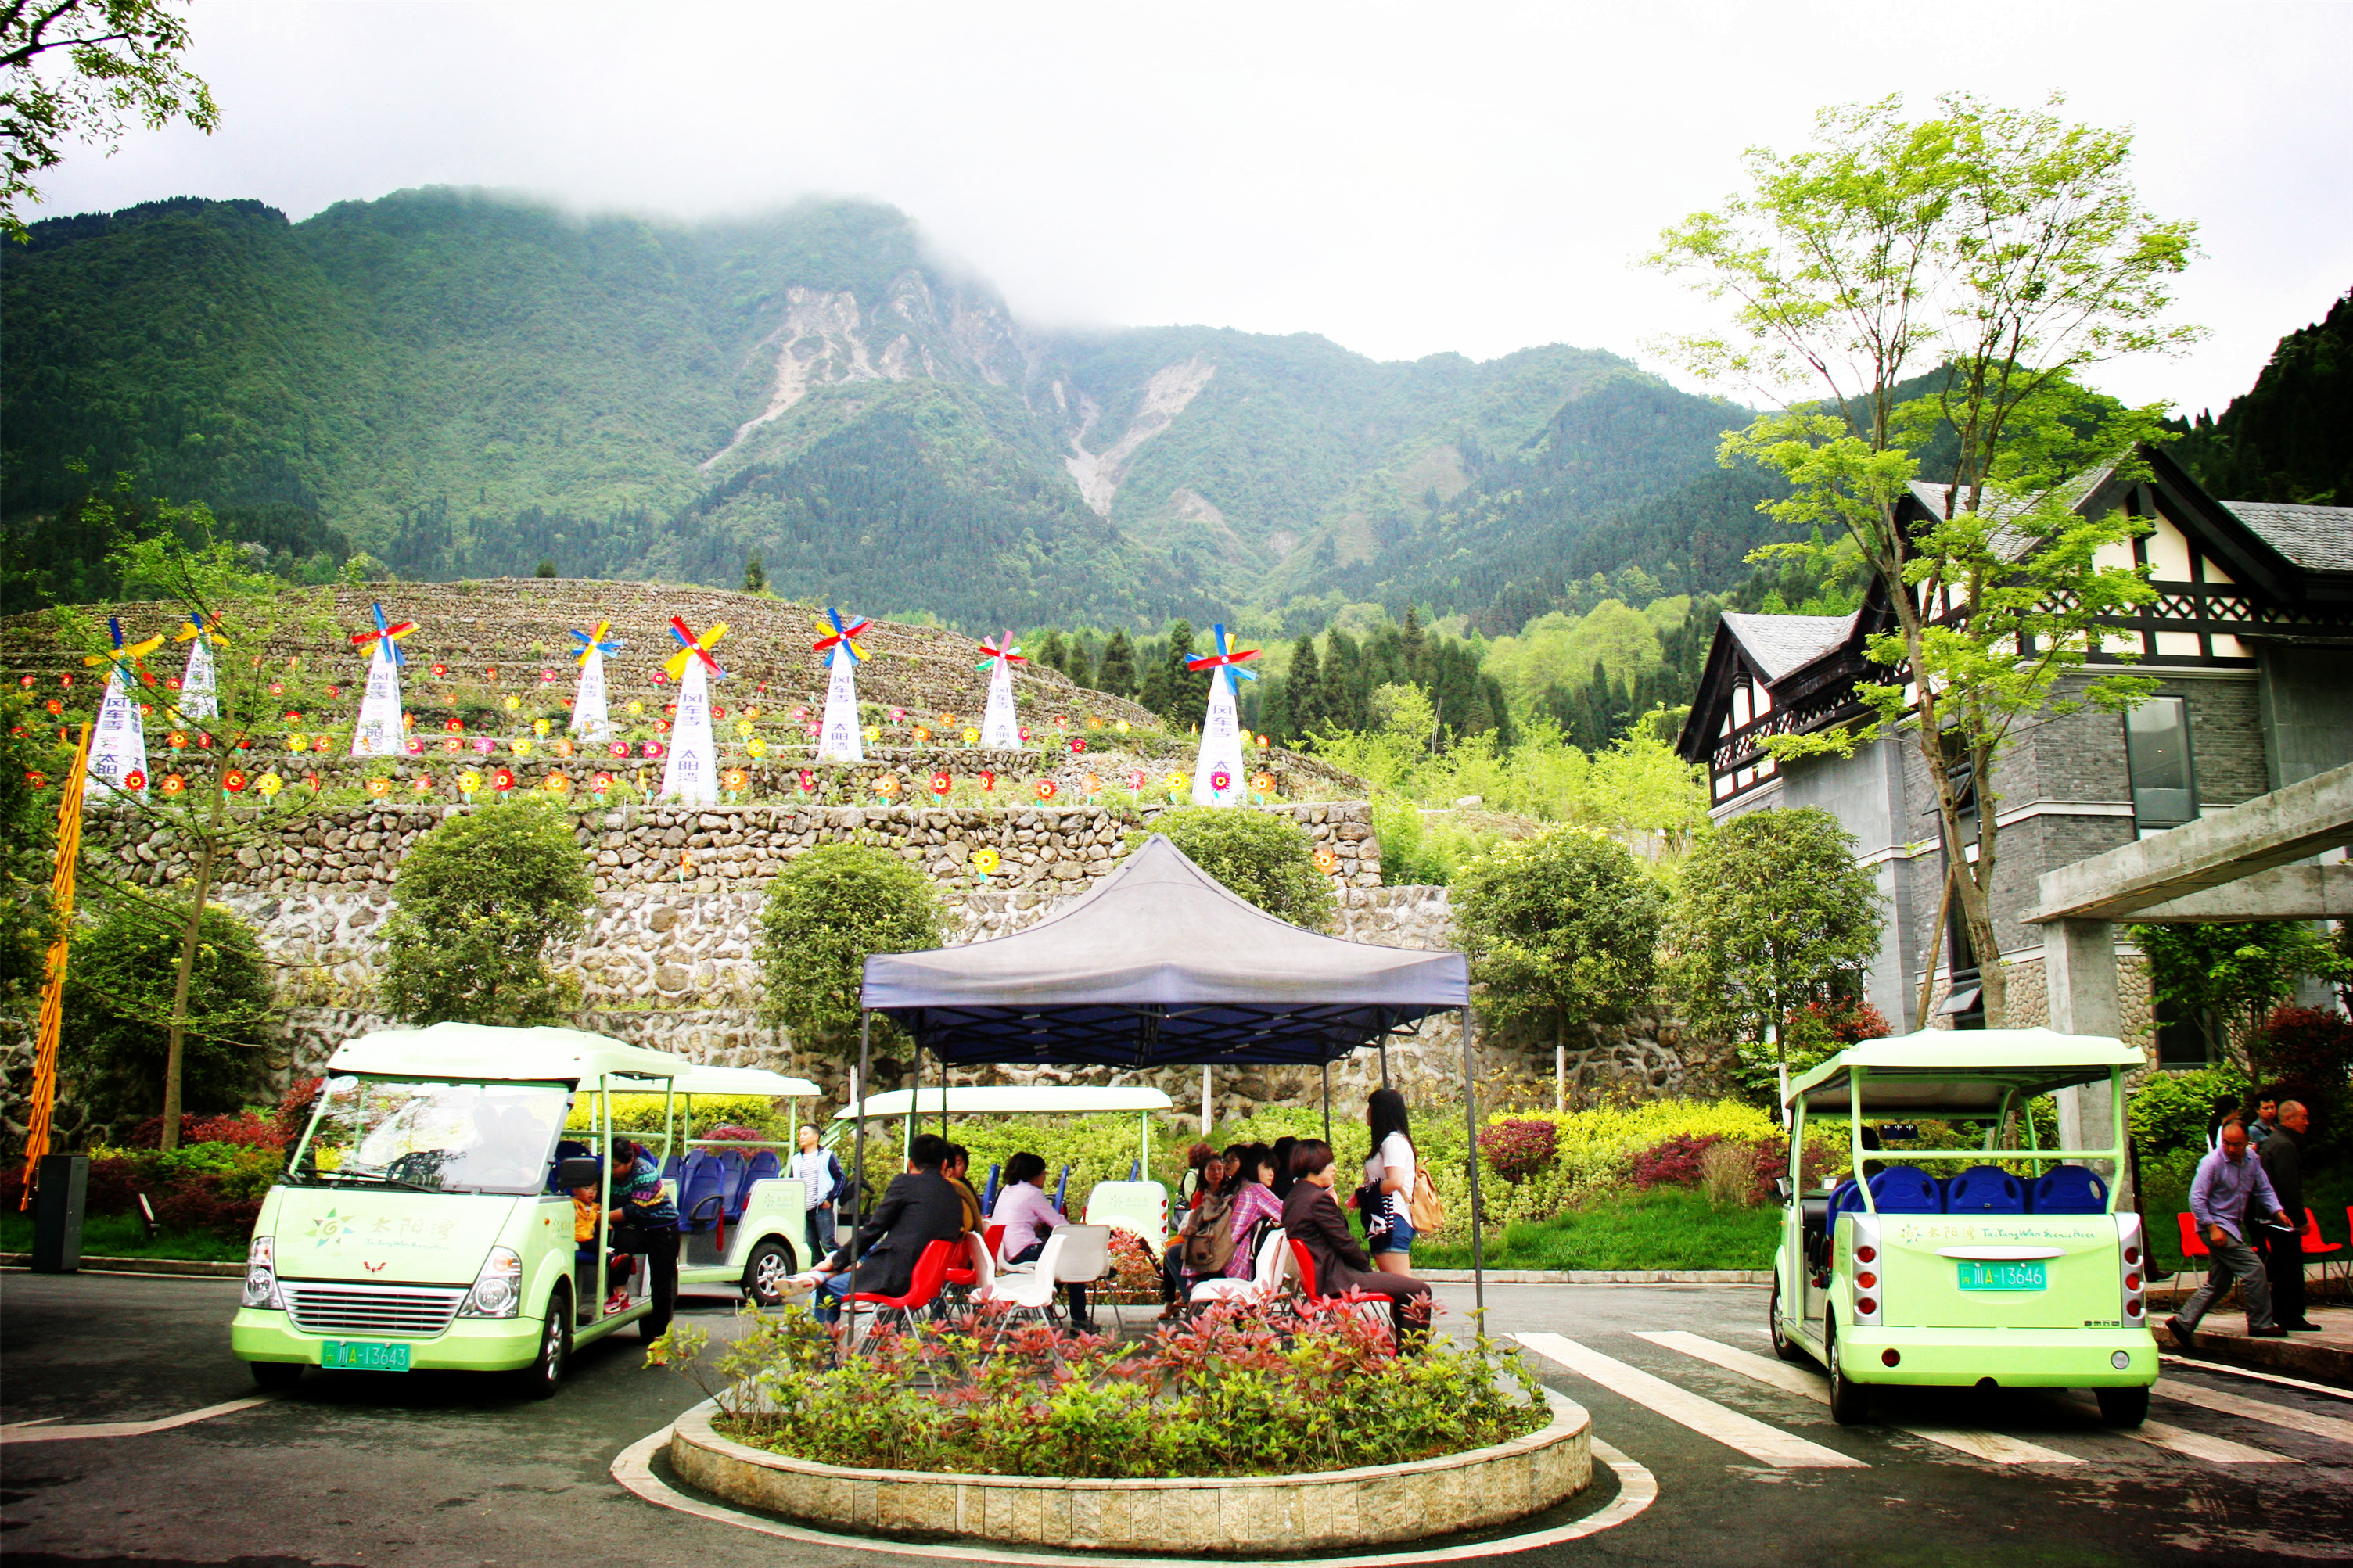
<point>917,1209</point>
<point>959,1161</point>
<point>1312,1218</point>
<point>1029,1218</point>
<point>1208,1175</point>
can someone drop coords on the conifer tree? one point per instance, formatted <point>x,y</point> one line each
<point>756,576</point>
<point>1116,676</point>
<point>1049,652</point>
<point>1303,689</point>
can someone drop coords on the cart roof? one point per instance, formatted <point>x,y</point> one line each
<point>745,1080</point>
<point>1963,1071</point>
<point>482,1051</point>
<point>1013,1099</point>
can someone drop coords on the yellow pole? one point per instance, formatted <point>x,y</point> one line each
<point>53,988</point>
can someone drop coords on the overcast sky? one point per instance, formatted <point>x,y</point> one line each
<point>1403,179</point>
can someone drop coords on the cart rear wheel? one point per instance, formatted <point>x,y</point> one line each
<point>1850,1401</point>
<point>2122,1406</point>
<point>1783,1345</point>
<point>765,1272</point>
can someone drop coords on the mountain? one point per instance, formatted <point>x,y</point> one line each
<point>464,384</point>
<point>2290,437</point>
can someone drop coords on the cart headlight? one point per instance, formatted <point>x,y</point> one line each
<point>261,1276</point>
<point>498,1290</point>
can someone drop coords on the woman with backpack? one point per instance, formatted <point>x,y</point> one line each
<point>1222,1241</point>
<point>1391,1171</point>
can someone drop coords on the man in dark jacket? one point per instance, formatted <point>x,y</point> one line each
<point>2283,1157</point>
<point>917,1209</point>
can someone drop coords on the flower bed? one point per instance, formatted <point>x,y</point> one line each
<point>1294,1431</point>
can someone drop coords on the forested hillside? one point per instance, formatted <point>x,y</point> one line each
<point>460,384</point>
<point>2291,437</point>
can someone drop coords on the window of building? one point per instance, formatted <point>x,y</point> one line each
<point>1965,1002</point>
<point>2156,750</point>
<point>2181,1039</point>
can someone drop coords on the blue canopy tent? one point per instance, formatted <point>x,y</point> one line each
<point>1160,966</point>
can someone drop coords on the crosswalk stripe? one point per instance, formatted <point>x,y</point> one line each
<point>1768,1444</point>
<point>1993,1447</point>
<point>2227,1403</point>
<point>2197,1444</point>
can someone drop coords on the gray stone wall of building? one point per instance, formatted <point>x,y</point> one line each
<point>2305,709</point>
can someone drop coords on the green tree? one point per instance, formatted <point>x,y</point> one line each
<point>477,900</point>
<point>29,835</point>
<point>546,567</point>
<point>2230,976</point>
<point>127,1013</point>
<point>1266,859</point>
<point>1563,921</point>
<point>2006,252</point>
<point>826,914</point>
<point>1116,675</point>
<point>114,62</point>
<point>1303,689</point>
<point>1772,913</point>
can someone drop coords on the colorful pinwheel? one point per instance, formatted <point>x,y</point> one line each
<point>1005,651</point>
<point>595,642</point>
<point>208,629</point>
<point>124,656</point>
<point>385,633</point>
<point>1227,659</point>
<point>691,647</point>
<point>838,635</point>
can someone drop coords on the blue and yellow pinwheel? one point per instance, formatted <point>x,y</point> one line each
<point>124,658</point>
<point>838,635</point>
<point>691,647</point>
<point>1226,659</point>
<point>384,634</point>
<point>206,629</point>
<point>594,642</point>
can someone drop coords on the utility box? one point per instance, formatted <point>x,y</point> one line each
<point>57,1205</point>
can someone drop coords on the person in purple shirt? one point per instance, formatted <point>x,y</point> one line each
<point>1028,1216</point>
<point>2229,1190</point>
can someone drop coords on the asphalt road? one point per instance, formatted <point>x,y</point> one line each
<point>450,1470</point>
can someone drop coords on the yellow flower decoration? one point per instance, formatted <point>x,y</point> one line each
<point>270,783</point>
<point>557,784</point>
<point>522,747</point>
<point>743,728</point>
<point>539,726</point>
<point>298,742</point>
<point>635,709</point>
<point>1177,782</point>
<point>514,702</point>
<point>873,732</point>
<point>1120,726</point>
<point>469,781</point>
<point>970,736</point>
<point>757,746</point>
<point>984,861</point>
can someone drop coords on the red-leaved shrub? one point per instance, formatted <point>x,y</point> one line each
<point>294,1110</point>
<point>1519,1149</point>
<point>247,1130</point>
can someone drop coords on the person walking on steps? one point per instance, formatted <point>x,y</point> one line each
<point>2283,1157</point>
<point>2229,1192</point>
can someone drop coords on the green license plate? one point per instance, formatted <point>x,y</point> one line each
<point>1976,1276</point>
<point>361,1355</point>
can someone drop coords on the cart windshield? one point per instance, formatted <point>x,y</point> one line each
<point>431,1135</point>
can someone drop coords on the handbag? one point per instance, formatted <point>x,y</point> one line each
<point>1425,1213</point>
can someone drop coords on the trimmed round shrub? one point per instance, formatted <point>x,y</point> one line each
<point>1266,859</point>
<point>826,914</point>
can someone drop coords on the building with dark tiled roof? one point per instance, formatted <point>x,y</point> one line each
<point>2249,636</point>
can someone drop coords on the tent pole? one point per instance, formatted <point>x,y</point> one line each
<point>1205,1099</point>
<point>914,1093</point>
<point>942,1057</point>
<point>857,1165</point>
<point>1327,1102</point>
<point>1384,1064</point>
<point>1471,1114</point>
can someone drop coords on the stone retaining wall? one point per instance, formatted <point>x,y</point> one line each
<point>1226,1515</point>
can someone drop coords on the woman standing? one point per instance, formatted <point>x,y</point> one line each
<point>1389,1170</point>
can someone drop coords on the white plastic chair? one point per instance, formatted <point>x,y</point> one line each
<point>984,1264</point>
<point>1025,1291</point>
<point>1264,1282</point>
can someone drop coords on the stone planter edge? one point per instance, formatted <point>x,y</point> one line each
<point>1367,1505</point>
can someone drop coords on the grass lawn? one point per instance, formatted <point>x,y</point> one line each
<point>1666,1228</point>
<point>122,1236</point>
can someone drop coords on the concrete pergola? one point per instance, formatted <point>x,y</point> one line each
<point>2235,866</point>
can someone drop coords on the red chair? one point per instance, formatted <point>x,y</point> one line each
<point>2192,1243</point>
<point>2316,1247</point>
<point>1374,1310</point>
<point>923,1289</point>
<point>995,1235</point>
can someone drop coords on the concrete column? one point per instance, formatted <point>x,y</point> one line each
<point>2079,969</point>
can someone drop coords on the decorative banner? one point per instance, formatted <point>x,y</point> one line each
<point>837,734</point>
<point>118,752</point>
<point>998,727</point>
<point>691,774</point>
<point>1218,771</point>
<point>591,720</point>
<point>198,690</point>
<point>380,730</point>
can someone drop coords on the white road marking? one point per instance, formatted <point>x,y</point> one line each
<point>2182,1440</point>
<point>1768,1444</point>
<point>2219,1368</point>
<point>1993,1447</point>
<point>42,1432</point>
<point>2329,1427</point>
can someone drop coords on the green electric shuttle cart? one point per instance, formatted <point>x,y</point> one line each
<point>745,1220</point>
<point>2002,1264</point>
<point>425,1222</point>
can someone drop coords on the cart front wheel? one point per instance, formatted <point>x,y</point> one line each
<point>2122,1406</point>
<point>543,1375</point>
<point>766,1271</point>
<point>1850,1401</point>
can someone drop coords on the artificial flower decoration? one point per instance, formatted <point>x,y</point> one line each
<point>421,784</point>
<point>26,681</point>
<point>1120,726</point>
<point>1090,782</point>
<point>970,736</point>
<point>736,779</point>
<point>1221,781</point>
<point>898,715</point>
<point>757,746</point>
<point>502,779</point>
<point>484,745</point>
<point>312,779</point>
<point>1262,782</point>
<point>415,747</point>
<point>808,781</point>
<point>873,732</point>
<point>988,781</point>
<point>334,691</point>
<point>278,688</point>
<point>177,739</point>
<point>562,747</point>
<point>1327,862</point>
<point>547,678</point>
<point>1062,721</point>
<point>440,669</point>
<point>455,726</point>
<point>134,781</point>
<point>146,710</point>
<point>604,782</point>
<point>942,783</point>
<point>491,673</point>
<point>245,743</point>
<point>887,786</point>
<point>171,683</point>
<point>1045,789</point>
<point>468,780</point>
<point>636,708</point>
<point>1135,779</point>
<point>269,784</point>
<point>379,787</point>
<point>809,728</point>
<point>514,702</point>
<point>1263,743</point>
<point>67,678</point>
<point>743,728</point>
<point>1095,720</point>
<point>172,783</point>
<point>1025,734</point>
<point>233,781</point>
<point>923,735</point>
<point>670,710</point>
<point>1177,782</point>
<point>522,745</point>
<point>984,861</point>
<point>453,745</point>
<point>37,778</point>
<point>801,715</point>
<point>322,743</point>
<point>657,679</point>
<point>55,706</point>
<point>651,749</point>
<point>661,726</point>
<point>616,748</point>
<point>557,784</point>
<point>1078,744</point>
<point>539,726</point>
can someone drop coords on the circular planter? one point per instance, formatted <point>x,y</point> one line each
<point>1237,1514</point>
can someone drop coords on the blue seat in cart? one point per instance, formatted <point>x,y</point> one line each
<point>760,1168</point>
<point>1907,1189</point>
<point>1985,1189</point>
<point>703,1194</point>
<point>2069,1189</point>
